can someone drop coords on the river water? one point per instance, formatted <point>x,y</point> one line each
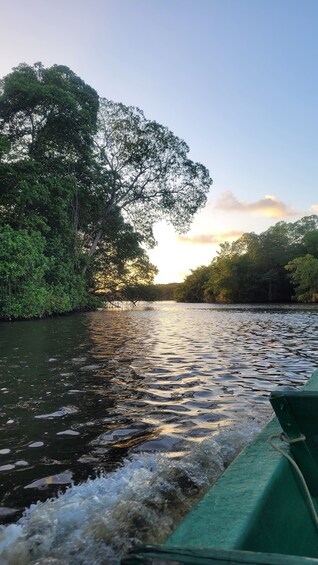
<point>113,423</point>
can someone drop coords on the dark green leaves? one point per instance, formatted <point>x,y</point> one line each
<point>47,113</point>
<point>253,268</point>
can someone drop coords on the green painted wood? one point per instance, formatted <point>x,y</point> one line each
<point>158,555</point>
<point>302,409</point>
<point>297,412</point>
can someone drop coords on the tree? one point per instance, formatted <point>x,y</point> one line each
<point>48,117</point>
<point>144,170</point>
<point>47,113</point>
<point>193,287</point>
<point>304,274</point>
<point>232,279</point>
<point>310,241</point>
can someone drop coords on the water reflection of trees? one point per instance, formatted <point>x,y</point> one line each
<point>118,346</point>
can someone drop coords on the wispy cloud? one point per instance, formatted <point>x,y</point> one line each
<point>268,206</point>
<point>314,208</point>
<point>208,238</point>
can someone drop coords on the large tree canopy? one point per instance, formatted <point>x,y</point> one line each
<point>82,181</point>
<point>47,113</point>
<point>48,118</point>
<point>144,170</point>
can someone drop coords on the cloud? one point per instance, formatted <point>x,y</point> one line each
<point>268,206</point>
<point>208,238</point>
<point>314,208</point>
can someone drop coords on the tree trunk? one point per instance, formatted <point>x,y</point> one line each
<point>92,248</point>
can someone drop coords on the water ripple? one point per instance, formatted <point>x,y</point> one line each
<point>158,379</point>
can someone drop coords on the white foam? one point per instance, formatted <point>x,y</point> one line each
<point>98,521</point>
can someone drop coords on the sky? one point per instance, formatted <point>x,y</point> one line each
<point>236,79</point>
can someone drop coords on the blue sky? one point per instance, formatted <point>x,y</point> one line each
<point>237,79</point>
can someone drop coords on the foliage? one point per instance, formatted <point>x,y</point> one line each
<point>231,279</point>
<point>165,291</point>
<point>252,269</point>
<point>193,288</point>
<point>23,290</point>
<point>82,181</point>
<point>47,121</point>
<point>304,274</point>
<point>145,172</point>
<point>152,292</point>
<point>47,113</point>
<point>311,242</point>
<point>127,281</point>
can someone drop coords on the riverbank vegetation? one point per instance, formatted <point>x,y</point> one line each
<point>278,265</point>
<point>82,182</point>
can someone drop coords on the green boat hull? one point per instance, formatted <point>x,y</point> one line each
<point>256,513</point>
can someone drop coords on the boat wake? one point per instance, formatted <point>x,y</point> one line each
<point>97,522</point>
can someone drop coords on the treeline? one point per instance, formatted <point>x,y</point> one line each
<point>278,265</point>
<point>165,291</point>
<point>82,182</point>
<point>142,292</point>
<point>159,292</point>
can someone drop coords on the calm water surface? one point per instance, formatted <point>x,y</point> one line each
<point>90,395</point>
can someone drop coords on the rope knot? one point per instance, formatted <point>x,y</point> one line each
<point>287,439</point>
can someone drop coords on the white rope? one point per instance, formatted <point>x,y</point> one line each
<point>308,498</point>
